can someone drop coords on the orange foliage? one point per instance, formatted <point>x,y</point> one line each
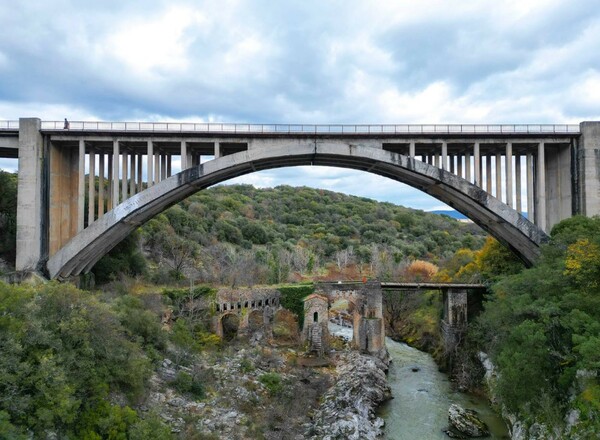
<point>420,270</point>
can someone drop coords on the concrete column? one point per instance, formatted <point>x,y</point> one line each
<point>488,173</point>
<point>169,164</point>
<point>541,186</point>
<point>81,187</point>
<point>184,164</point>
<point>124,176</point>
<point>156,167</point>
<point>163,167</point>
<point>451,167</point>
<point>530,188</point>
<point>499,176</point>
<point>92,188</point>
<point>587,164</point>
<point>477,164</point>
<point>132,173</point>
<point>518,176</point>
<point>150,158</point>
<point>140,183</point>
<point>100,184</point>
<point>459,165</point>
<point>115,175</point>
<point>444,156</point>
<point>509,175</point>
<point>411,149</point>
<point>468,166</point>
<point>217,150</point>
<point>109,201</point>
<point>29,194</point>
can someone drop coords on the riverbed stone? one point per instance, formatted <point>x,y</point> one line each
<point>466,421</point>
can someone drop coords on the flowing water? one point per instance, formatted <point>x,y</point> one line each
<point>419,409</point>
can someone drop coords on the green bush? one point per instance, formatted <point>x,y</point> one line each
<point>185,383</point>
<point>272,382</point>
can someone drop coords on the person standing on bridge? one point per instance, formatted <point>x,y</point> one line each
<point>67,124</point>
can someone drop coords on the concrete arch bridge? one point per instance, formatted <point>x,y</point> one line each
<point>490,173</point>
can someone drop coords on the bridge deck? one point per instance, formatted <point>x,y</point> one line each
<point>433,286</point>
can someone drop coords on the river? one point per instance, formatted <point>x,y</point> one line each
<point>419,409</point>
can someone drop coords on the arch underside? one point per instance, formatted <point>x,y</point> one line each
<point>501,221</point>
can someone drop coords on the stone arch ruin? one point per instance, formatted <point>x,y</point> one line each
<point>255,309</point>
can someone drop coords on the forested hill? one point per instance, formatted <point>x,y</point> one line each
<point>274,233</point>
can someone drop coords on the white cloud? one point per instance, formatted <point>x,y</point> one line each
<point>396,61</point>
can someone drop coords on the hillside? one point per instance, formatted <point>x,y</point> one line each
<point>239,234</point>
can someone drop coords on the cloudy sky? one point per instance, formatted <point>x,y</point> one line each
<point>396,61</point>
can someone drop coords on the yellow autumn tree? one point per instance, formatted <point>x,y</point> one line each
<point>582,262</point>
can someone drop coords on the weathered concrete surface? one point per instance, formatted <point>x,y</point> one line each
<point>588,158</point>
<point>29,195</point>
<point>501,221</point>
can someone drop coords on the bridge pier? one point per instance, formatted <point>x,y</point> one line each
<point>587,158</point>
<point>30,205</point>
<point>454,322</point>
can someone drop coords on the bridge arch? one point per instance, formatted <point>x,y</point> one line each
<point>504,223</point>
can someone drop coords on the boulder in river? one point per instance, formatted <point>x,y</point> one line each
<point>467,422</point>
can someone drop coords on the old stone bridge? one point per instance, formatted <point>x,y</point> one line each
<point>491,173</point>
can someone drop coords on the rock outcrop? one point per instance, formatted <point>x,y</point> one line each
<point>466,421</point>
<point>348,408</point>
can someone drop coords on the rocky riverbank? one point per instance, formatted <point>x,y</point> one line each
<point>243,392</point>
<point>348,408</point>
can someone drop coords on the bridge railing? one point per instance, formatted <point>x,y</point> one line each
<point>225,128</point>
<point>9,125</point>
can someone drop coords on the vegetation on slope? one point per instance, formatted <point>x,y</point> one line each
<point>240,235</point>
<point>540,326</point>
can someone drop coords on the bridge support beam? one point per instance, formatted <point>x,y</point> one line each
<point>29,202</point>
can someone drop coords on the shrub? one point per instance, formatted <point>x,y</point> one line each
<point>185,383</point>
<point>272,382</point>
